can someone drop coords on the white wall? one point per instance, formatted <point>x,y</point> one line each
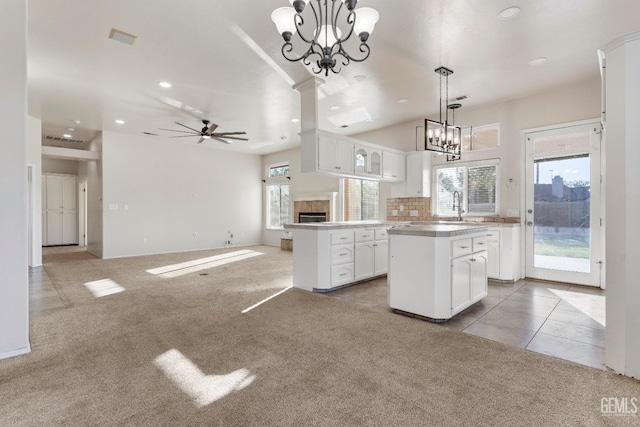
<point>566,104</point>
<point>68,167</point>
<point>173,190</point>
<point>622,204</point>
<point>34,145</point>
<point>14,286</point>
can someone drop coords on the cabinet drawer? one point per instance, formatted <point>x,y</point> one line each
<point>479,244</point>
<point>461,247</point>
<point>493,235</point>
<point>382,234</point>
<point>341,254</point>
<point>365,235</point>
<point>341,274</point>
<point>341,237</point>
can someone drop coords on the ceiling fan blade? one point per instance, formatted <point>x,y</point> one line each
<point>181,131</point>
<point>211,128</point>
<point>221,140</point>
<point>195,130</point>
<point>200,140</point>
<point>231,133</point>
<point>231,137</point>
<point>183,136</point>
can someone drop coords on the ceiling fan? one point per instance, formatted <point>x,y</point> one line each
<point>207,132</point>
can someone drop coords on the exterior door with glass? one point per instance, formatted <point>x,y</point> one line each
<point>562,207</point>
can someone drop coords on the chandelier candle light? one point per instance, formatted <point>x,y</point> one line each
<point>325,41</point>
<point>444,137</point>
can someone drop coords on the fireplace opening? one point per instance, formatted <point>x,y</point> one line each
<point>312,217</point>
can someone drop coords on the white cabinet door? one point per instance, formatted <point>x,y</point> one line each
<point>414,176</point>
<point>344,156</point>
<point>327,149</point>
<point>478,276</point>
<point>493,259</point>
<point>364,261</point>
<point>381,258</point>
<point>368,161</point>
<point>375,163</point>
<point>393,168</point>
<point>54,192</point>
<point>69,227</point>
<point>54,227</point>
<point>460,283</point>
<point>69,193</point>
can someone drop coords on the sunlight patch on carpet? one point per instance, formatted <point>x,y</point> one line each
<point>177,270</point>
<point>202,389</point>
<point>104,287</point>
<point>265,300</point>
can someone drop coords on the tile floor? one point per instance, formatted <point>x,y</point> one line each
<point>559,320</point>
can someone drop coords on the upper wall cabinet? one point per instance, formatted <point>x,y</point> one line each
<point>393,166</point>
<point>368,161</point>
<point>418,176</point>
<point>343,156</point>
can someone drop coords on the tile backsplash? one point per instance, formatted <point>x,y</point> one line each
<point>419,209</point>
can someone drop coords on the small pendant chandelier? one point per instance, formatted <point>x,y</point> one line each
<point>325,41</point>
<point>444,137</point>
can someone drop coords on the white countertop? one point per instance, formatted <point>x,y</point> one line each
<point>340,225</point>
<point>439,229</point>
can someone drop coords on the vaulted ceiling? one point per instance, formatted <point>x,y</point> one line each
<point>224,61</point>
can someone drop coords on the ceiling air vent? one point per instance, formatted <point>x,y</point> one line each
<point>62,139</point>
<point>459,98</point>
<point>122,37</point>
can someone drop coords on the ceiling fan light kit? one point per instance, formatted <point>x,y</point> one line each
<point>441,136</point>
<point>325,42</point>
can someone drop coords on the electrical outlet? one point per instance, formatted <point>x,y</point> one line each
<point>144,241</point>
<point>113,207</point>
<point>231,235</point>
<point>413,213</point>
<point>195,234</point>
<point>401,208</point>
<point>394,212</point>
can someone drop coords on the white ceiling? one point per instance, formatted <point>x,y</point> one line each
<point>224,61</point>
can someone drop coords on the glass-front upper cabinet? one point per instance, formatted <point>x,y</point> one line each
<point>368,161</point>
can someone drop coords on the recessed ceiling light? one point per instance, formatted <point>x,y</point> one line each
<point>76,121</point>
<point>71,129</point>
<point>119,122</point>
<point>165,85</point>
<point>66,135</point>
<point>295,120</point>
<point>538,61</point>
<point>359,78</point>
<point>334,107</point>
<point>403,100</point>
<point>509,12</point>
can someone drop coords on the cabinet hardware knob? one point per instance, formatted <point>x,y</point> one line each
<point>343,254</point>
<point>464,247</point>
<point>343,274</point>
<point>480,243</point>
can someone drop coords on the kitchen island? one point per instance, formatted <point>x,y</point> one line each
<point>331,255</point>
<point>436,270</point>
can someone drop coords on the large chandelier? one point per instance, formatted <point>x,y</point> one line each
<point>324,36</point>
<point>444,137</point>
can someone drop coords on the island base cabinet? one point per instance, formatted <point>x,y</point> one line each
<point>364,261</point>
<point>460,283</point>
<point>381,257</point>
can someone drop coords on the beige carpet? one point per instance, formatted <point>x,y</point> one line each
<point>178,351</point>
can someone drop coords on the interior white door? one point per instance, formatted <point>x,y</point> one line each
<point>54,227</point>
<point>54,189</point>
<point>562,207</point>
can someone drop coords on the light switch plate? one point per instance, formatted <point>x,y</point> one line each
<point>413,213</point>
<point>394,212</point>
<point>513,213</point>
<point>113,207</point>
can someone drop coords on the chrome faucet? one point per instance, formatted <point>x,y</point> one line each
<point>460,210</point>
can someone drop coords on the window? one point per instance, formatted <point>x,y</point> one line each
<point>477,182</point>
<point>277,196</point>
<point>483,137</point>
<point>361,199</point>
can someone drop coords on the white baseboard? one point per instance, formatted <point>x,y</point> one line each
<point>14,353</point>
